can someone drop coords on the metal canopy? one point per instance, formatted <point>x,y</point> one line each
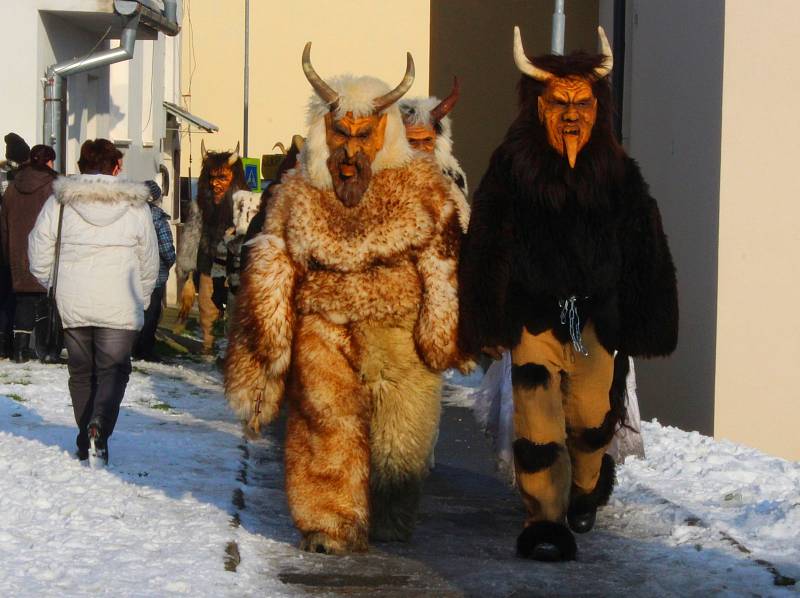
<point>179,112</point>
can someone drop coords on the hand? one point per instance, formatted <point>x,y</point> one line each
<point>467,366</point>
<point>494,352</point>
<point>187,299</point>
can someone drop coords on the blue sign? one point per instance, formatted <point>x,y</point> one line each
<point>252,173</point>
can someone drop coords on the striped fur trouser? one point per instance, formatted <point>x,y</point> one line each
<point>562,420</point>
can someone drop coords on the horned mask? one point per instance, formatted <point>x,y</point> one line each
<point>567,106</point>
<point>423,129</point>
<point>220,172</point>
<point>354,136</point>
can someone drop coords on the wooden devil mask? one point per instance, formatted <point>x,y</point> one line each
<point>354,140</point>
<point>220,170</point>
<point>422,132</point>
<point>567,106</point>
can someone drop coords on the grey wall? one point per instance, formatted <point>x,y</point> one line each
<point>474,39</point>
<point>673,116</point>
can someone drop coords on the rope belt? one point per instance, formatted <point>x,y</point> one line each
<point>570,310</point>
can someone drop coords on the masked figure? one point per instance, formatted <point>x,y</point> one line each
<point>203,253</point>
<point>429,130</point>
<point>565,263</point>
<point>348,306</point>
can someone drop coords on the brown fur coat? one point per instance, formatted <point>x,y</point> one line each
<point>390,259</point>
<point>350,312</point>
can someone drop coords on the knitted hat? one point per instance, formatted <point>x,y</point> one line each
<point>155,191</point>
<point>16,149</point>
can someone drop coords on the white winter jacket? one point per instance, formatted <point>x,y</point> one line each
<point>109,251</point>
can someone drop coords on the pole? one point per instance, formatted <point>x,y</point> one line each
<point>557,40</point>
<point>246,74</point>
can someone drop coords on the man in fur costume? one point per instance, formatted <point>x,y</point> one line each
<point>349,307</point>
<point>203,251</point>
<point>428,129</point>
<point>565,263</point>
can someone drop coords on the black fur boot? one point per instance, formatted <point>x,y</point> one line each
<point>394,509</point>
<point>547,541</point>
<point>583,507</point>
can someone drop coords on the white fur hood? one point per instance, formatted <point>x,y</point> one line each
<point>100,199</point>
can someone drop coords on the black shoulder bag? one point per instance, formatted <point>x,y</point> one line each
<point>47,330</point>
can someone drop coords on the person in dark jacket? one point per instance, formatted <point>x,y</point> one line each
<point>17,153</point>
<point>145,345</point>
<point>565,264</point>
<point>22,202</point>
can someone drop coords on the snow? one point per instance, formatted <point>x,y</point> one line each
<point>697,516</point>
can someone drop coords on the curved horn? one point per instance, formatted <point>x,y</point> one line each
<point>203,152</point>
<point>605,48</point>
<point>383,102</point>
<point>298,141</point>
<point>525,66</point>
<point>446,105</point>
<point>234,157</point>
<point>323,90</point>
<point>280,146</point>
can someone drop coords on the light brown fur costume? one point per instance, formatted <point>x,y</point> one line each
<point>353,311</point>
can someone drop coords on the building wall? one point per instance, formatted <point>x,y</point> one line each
<point>758,349</point>
<point>122,102</point>
<point>473,39</point>
<point>673,128</point>
<point>356,36</point>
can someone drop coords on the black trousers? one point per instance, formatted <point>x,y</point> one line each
<point>6,312</point>
<point>25,311</point>
<point>99,364</point>
<point>147,337</point>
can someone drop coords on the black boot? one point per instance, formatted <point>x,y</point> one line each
<point>583,507</point>
<point>547,541</point>
<point>22,351</point>
<point>82,441</point>
<point>6,346</point>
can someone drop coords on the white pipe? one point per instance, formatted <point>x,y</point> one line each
<point>54,85</point>
<point>559,24</point>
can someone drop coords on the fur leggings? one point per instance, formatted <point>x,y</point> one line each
<point>363,415</point>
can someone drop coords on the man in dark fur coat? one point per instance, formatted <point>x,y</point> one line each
<point>203,250</point>
<point>565,263</point>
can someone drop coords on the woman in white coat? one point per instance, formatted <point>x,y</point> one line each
<point>107,269</point>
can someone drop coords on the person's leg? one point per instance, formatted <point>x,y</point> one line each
<point>6,313</point>
<point>327,442</point>
<point>406,404</point>
<point>24,320</point>
<point>80,364</point>
<point>112,350</point>
<point>539,370</point>
<point>591,424</point>
<point>145,344</point>
<point>208,310</point>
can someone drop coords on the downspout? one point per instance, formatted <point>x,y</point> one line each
<point>55,79</point>
<point>557,36</point>
<point>171,11</point>
<point>618,79</point>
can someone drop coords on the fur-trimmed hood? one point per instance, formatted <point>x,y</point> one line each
<point>356,95</point>
<point>100,199</point>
